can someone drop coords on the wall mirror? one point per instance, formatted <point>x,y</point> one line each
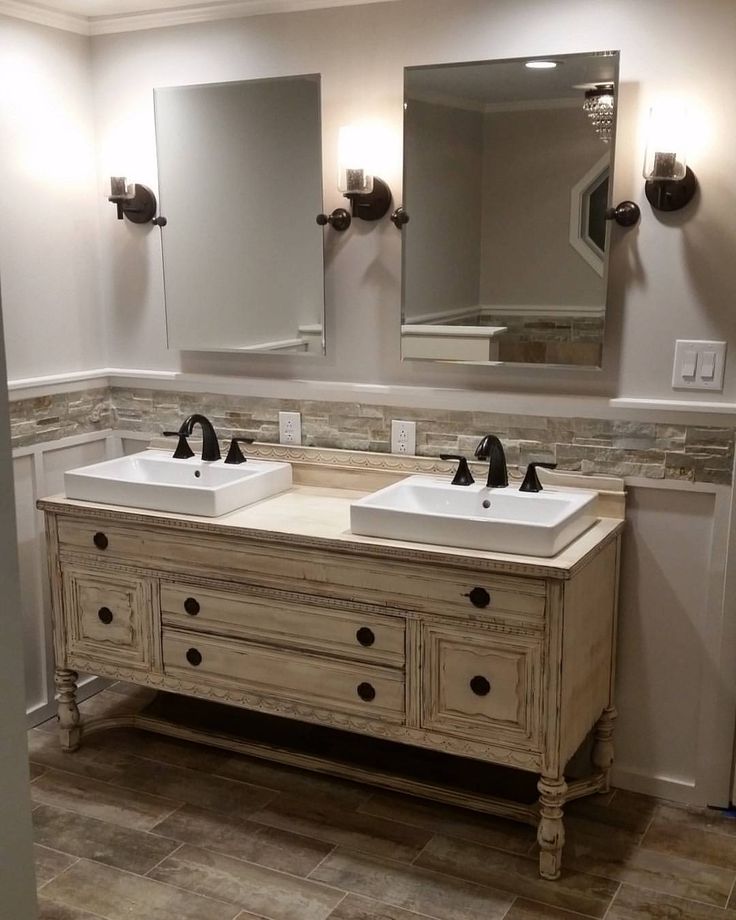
<point>240,183</point>
<point>506,183</point>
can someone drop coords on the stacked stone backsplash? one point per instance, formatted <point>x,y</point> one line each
<point>620,448</point>
<point>48,418</point>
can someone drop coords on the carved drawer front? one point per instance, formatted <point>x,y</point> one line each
<point>308,681</point>
<point>286,622</point>
<point>108,617</point>
<point>482,686</point>
<point>412,586</point>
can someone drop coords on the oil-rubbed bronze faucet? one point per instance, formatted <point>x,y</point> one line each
<point>491,449</point>
<point>210,444</point>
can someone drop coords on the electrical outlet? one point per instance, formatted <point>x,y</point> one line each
<point>403,437</point>
<point>290,428</point>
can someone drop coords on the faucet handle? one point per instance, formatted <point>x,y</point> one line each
<point>183,450</point>
<point>463,476</point>
<point>235,454</point>
<point>531,481</point>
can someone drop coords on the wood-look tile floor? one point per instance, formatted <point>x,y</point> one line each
<point>135,826</point>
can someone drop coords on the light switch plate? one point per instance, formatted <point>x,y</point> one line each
<point>699,365</point>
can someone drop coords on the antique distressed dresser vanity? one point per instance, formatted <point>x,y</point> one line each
<point>280,609</point>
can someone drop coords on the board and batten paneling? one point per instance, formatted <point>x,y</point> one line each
<point>675,686</point>
<point>38,471</point>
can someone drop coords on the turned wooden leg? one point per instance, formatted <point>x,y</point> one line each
<point>602,754</point>
<point>70,731</point>
<point>551,831</point>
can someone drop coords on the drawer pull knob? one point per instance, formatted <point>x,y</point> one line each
<point>479,597</point>
<point>480,686</point>
<point>100,540</point>
<point>105,615</point>
<point>191,605</point>
<point>365,636</point>
<point>366,692</point>
<point>194,656</point>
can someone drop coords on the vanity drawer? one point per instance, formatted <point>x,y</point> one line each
<point>369,691</point>
<point>419,586</point>
<point>108,617</point>
<point>482,686</point>
<point>344,633</point>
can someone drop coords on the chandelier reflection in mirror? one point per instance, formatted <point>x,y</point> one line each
<point>599,107</point>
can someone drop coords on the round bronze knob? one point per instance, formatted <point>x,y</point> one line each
<point>366,692</point>
<point>191,605</point>
<point>100,540</point>
<point>194,656</point>
<point>479,597</point>
<point>480,686</point>
<point>365,636</point>
<point>105,615</point>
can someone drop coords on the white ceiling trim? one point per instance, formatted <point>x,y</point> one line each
<point>158,19</point>
<point>42,16</point>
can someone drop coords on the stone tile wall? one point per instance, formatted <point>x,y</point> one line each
<point>620,448</point>
<point>48,418</point>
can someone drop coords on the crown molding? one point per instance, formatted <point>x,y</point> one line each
<point>159,19</point>
<point>42,16</point>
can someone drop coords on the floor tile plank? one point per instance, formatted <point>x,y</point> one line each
<point>267,846</point>
<point>452,822</point>
<point>136,810</point>
<point>339,826</point>
<point>117,895</point>
<point>262,891</point>
<point>49,863</point>
<point>423,892</point>
<point>639,904</point>
<point>112,844</point>
<point>575,891</point>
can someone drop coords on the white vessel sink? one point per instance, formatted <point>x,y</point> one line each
<point>424,510</point>
<point>153,479</point>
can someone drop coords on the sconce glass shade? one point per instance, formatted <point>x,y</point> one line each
<point>599,107</point>
<point>665,159</point>
<point>353,173</point>
<point>120,190</point>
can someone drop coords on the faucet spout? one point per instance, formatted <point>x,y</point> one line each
<point>210,444</point>
<point>491,449</point>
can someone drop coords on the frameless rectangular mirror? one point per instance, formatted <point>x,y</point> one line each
<point>506,184</point>
<point>240,183</point>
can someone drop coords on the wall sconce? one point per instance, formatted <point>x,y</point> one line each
<point>136,202</point>
<point>670,184</point>
<point>369,196</point>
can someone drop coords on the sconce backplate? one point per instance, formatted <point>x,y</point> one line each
<point>373,205</point>
<point>141,208</point>
<point>671,194</point>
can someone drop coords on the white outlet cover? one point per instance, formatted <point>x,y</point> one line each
<point>290,428</point>
<point>403,437</point>
<point>699,365</point>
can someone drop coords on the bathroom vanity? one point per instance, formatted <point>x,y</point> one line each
<point>279,608</point>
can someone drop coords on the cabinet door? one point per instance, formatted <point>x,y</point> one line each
<point>108,617</point>
<point>482,685</point>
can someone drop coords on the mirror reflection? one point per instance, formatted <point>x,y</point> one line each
<point>240,182</point>
<point>506,181</point>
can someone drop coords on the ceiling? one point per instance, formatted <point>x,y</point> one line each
<point>96,17</point>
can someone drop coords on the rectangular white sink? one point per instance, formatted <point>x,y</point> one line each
<point>420,509</point>
<point>153,479</point>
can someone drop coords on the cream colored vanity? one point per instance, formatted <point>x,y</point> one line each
<point>278,608</point>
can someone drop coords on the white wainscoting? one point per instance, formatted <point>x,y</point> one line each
<point>676,685</point>
<point>38,471</point>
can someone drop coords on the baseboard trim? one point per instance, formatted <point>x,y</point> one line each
<point>662,787</point>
